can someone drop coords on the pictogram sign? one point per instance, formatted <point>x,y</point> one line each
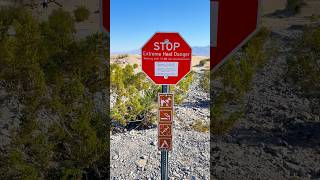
<point>165,116</point>
<point>165,120</point>
<point>165,130</point>
<point>165,144</point>
<point>165,100</point>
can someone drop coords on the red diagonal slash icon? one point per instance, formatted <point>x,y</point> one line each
<point>165,116</point>
<point>165,100</point>
<point>165,129</point>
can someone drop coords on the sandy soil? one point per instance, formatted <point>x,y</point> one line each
<point>269,6</point>
<point>136,59</point>
<point>281,25</point>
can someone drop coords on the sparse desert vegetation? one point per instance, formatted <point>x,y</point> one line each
<point>294,6</point>
<point>81,14</point>
<point>135,96</point>
<point>122,56</point>
<point>53,79</point>
<point>235,78</point>
<point>304,64</point>
<point>200,126</point>
<point>205,81</point>
<point>203,62</point>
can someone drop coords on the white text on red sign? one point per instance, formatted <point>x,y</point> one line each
<point>166,45</point>
<point>165,54</point>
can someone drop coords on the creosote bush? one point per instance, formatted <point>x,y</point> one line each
<point>122,56</point>
<point>81,14</point>
<point>235,78</point>
<point>134,93</point>
<point>136,96</point>
<point>180,90</point>
<point>55,75</point>
<point>205,81</point>
<point>203,62</point>
<point>200,126</point>
<point>294,6</point>
<point>304,63</point>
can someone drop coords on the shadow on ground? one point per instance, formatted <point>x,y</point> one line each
<point>305,135</point>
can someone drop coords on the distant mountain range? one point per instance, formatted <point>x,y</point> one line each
<point>201,50</point>
<point>196,50</point>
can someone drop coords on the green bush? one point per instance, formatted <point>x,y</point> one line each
<point>304,64</point>
<point>236,76</point>
<point>122,56</point>
<point>81,14</point>
<point>180,90</point>
<point>52,73</point>
<point>203,62</point>
<point>199,126</point>
<point>136,95</point>
<point>314,18</point>
<point>205,81</point>
<point>294,5</point>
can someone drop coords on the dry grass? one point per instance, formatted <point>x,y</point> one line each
<point>200,126</point>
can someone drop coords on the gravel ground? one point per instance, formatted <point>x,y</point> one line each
<point>134,154</point>
<point>279,137</point>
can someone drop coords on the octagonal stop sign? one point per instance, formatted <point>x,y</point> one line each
<point>166,58</point>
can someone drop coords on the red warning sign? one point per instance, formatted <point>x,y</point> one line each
<point>166,58</point>
<point>165,144</point>
<point>165,116</point>
<point>165,100</point>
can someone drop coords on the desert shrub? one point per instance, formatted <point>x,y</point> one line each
<point>203,62</point>
<point>8,15</point>
<point>81,14</point>
<point>294,6</point>
<point>200,126</point>
<point>136,95</point>
<point>205,81</point>
<point>235,77</point>
<point>304,63</point>
<point>180,90</point>
<point>60,24</point>
<point>122,56</point>
<point>314,18</point>
<point>52,73</point>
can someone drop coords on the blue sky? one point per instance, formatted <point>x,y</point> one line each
<point>133,22</point>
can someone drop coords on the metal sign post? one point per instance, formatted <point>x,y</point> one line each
<point>164,165</point>
<point>164,153</point>
<point>166,59</point>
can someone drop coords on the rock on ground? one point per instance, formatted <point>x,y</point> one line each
<point>135,155</point>
<point>279,137</point>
